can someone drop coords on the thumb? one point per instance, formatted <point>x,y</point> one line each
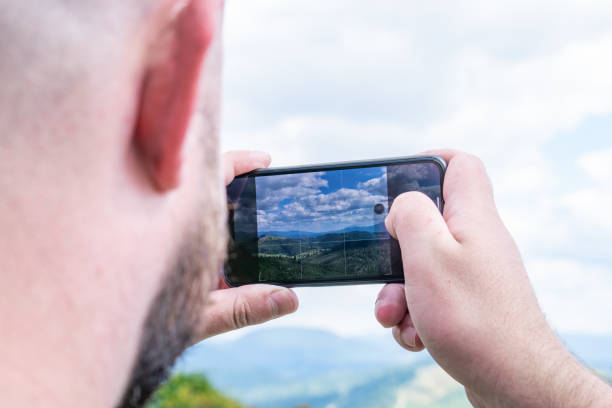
<point>235,308</point>
<point>416,222</point>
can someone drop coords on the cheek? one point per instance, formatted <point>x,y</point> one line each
<point>204,181</point>
<point>215,253</point>
<point>214,232</point>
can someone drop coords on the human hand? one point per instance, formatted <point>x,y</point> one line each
<point>468,300</point>
<point>233,308</point>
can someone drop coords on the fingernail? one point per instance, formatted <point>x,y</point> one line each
<point>282,302</point>
<point>261,159</point>
<point>388,226</point>
<point>418,343</point>
<point>260,164</point>
<point>408,340</point>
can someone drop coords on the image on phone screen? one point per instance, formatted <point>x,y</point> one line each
<point>321,226</point>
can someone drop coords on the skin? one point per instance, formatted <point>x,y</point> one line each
<point>468,300</point>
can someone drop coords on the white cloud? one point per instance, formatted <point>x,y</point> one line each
<point>537,226</point>
<point>598,166</point>
<point>592,204</point>
<point>272,190</point>
<point>593,207</point>
<point>574,295</point>
<point>377,185</point>
<point>526,172</point>
<point>493,107</point>
<point>516,104</point>
<point>346,80</point>
<point>319,212</point>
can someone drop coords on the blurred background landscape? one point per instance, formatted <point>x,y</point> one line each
<point>292,367</point>
<point>526,86</point>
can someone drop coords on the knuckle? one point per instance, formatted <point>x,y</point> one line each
<point>241,312</point>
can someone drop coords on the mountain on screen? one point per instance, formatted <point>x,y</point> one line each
<point>380,227</point>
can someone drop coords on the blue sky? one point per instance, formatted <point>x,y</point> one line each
<point>526,86</point>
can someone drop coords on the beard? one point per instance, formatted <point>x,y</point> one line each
<point>173,322</point>
<point>170,327</point>
<point>168,330</point>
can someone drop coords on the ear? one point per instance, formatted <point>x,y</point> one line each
<point>170,88</point>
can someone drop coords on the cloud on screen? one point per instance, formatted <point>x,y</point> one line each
<point>310,209</point>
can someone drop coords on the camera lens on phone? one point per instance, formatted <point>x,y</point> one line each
<point>379,208</point>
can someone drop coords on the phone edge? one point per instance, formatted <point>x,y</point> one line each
<point>341,165</point>
<point>346,165</point>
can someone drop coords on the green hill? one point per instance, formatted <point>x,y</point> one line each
<point>323,257</point>
<point>193,391</point>
<point>190,391</point>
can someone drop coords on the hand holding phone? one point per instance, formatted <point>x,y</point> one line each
<point>324,224</point>
<point>468,300</point>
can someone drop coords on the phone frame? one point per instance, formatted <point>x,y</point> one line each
<point>345,165</point>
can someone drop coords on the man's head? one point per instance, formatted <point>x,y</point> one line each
<point>111,199</point>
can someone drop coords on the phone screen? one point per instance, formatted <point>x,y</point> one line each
<point>323,226</point>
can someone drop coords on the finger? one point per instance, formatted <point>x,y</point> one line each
<point>468,194</point>
<point>466,178</point>
<point>406,335</point>
<point>238,162</point>
<point>235,308</point>
<point>446,154</point>
<point>390,307</point>
<point>424,239</point>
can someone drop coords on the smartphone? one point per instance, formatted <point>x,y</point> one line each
<point>323,224</point>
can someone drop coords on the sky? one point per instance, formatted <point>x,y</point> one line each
<point>526,86</point>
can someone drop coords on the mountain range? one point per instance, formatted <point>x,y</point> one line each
<point>287,367</point>
<point>380,227</point>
